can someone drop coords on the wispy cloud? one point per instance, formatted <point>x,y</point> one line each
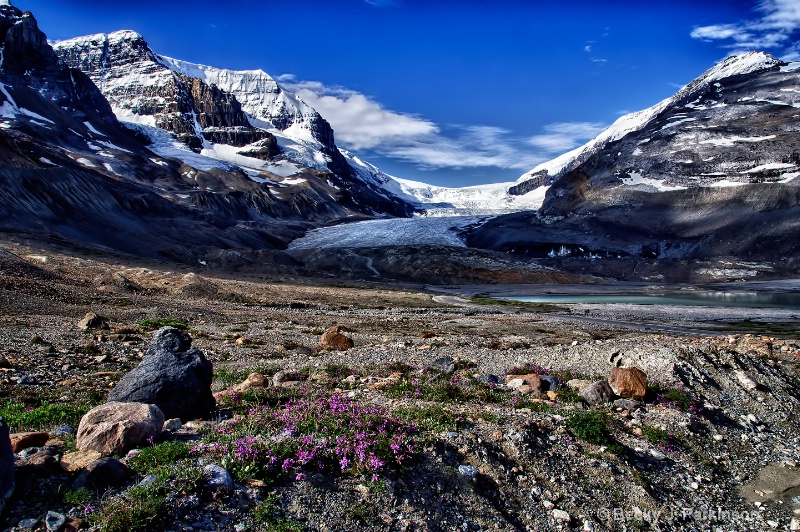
<point>776,28</point>
<point>563,136</point>
<point>381,3</point>
<point>363,124</point>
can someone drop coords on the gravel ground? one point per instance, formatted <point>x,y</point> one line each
<point>528,464</point>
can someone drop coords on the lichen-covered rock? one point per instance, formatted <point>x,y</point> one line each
<point>172,375</point>
<point>115,428</point>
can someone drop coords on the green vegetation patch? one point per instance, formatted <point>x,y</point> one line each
<point>152,324</point>
<point>163,454</point>
<point>22,417</point>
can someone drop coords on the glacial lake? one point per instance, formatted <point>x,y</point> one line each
<point>697,298</point>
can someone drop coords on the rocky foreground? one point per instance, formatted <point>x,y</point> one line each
<point>363,408</point>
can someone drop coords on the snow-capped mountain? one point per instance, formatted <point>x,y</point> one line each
<point>702,186</point>
<point>72,171</point>
<point>243,118</point>
<point>685,129</point>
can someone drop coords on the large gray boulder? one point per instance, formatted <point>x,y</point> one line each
<point>7,470</point>
<point>173,375</point>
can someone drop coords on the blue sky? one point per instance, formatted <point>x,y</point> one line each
<point>452,92</point>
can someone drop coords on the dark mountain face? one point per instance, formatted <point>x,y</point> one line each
<point>70,171</point>
<point>710,175</point>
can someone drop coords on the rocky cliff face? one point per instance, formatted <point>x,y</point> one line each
<point>141,89</point>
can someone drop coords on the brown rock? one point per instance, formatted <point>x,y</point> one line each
<point>552,395</point>
<point>115,428</point>
<point>334,339</point>
<point>72,462</point>
<point>531,380</point>
<point>630,383</point>
<point>578,384</point>
<point>25,440</point>
<point>254,380</point>
<point>92,321</point>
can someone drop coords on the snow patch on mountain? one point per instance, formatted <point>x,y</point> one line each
<point>447,201</point>
<point>735,65</point>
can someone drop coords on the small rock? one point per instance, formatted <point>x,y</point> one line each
<point>243,341</point>
<point>217,477</point>
<point>532,380</point>
<point>64,430</point>
<point>548,505</point>
<point>488,378</point>
<point>550,383</point>
<point>553,396</point>
<point>173,424</point>
<point>92,321</point>
<point>27,524</point>
<point>102,358</point>
<point>26,380</point>
<point>597,393</point>
<point>44,461</point>
<point>283,377</point>
<point>254,380</point>
<point>54,520</point>
<point>630,383</point>
<point>444,364</point>
<point>718,437</point>
<point>588,526</point>
<point>72,462</point>
<point>149,479</point>
<point>628,404</point>
<point>578,384</point>
<point>794,525</point>
<point>334,339</point>
<point>745,380</point>
<point>658,455</point>
<point>25,440</point>
<point>102,474</point>
<point>561,515</point>
<point>468,471</point>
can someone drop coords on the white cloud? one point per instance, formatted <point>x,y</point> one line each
<point>587,48</point>
<point>564,136</point>
<point>362,124</point>
<point>358,121</point>
<point>776,28</point>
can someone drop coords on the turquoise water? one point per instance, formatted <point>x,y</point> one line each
<point>699,298</point>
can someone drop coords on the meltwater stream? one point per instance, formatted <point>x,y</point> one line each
<point>706,298</point>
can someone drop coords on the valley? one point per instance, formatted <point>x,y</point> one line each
<point>360,342</point>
